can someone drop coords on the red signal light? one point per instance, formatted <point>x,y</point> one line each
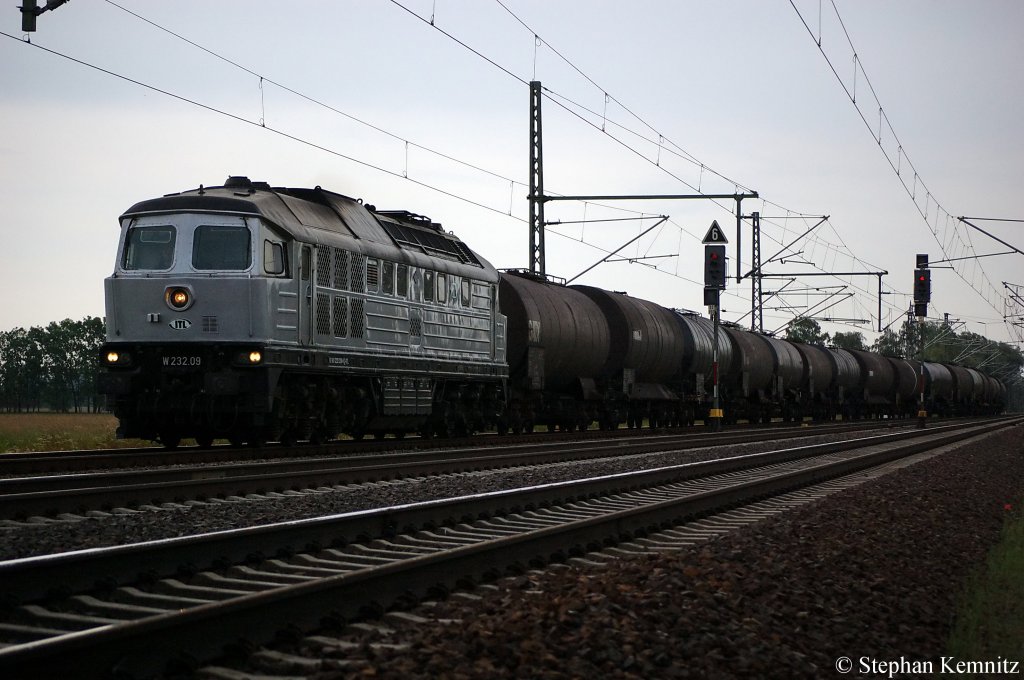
<point>922,286</point>
<point>714,266</point>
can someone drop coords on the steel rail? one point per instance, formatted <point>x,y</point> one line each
<point>50,495</point>
<point>43,462</point>
<point>33,577</point>
<point>202,629</point>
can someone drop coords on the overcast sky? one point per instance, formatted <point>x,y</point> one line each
<point>737,92</point>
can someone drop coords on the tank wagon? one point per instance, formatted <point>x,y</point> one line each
<point>258,314</point>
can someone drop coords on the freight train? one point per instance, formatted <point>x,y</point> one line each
<point>255,314</point>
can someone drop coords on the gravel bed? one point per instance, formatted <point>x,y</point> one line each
<point>77,532</point>
<point>872,574</point>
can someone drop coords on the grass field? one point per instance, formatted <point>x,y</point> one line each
<point>990,620</point>
<point>60,432</point>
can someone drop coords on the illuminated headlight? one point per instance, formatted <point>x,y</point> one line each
<point>178,298</point>
<point>248,357</point>
<point>114,358</point>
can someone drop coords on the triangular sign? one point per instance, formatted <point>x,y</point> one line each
<point>715,234</point>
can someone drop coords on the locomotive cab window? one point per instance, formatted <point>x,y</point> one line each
<point>273,258</point>
<point>224,248</point>
<point>465,293</point>
<point>149,248</point>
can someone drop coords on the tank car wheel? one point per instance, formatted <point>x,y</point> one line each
<point>170,440</point>
<point>205,441</point>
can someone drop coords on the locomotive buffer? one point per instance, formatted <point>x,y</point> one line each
<point>714,283</point>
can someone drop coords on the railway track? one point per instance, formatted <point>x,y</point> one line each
<point>197,594</point>
<point>174,482</point>
<point>35,463</point>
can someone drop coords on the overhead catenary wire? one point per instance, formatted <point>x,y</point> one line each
<point>949,250</point>
<point>663,143</point>
<point>603,127</point>
<point>261,125</point>
<point>263,78</point>
<point>256,123</point>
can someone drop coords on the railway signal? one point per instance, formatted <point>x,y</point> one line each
<point>922,286</point>
<point>714,267</point>
<point>922,296</point>
<point>714,282</point>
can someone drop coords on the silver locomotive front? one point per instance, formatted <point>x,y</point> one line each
<point>187,317</point>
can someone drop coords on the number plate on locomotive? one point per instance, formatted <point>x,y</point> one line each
<point>182,361</point>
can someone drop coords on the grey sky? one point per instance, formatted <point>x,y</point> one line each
<point>740,86</point>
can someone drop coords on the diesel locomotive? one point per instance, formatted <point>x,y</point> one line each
<point>254,314</point>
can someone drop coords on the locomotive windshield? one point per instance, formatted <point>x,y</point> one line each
<point>221,248</point>
<point>149,248</point>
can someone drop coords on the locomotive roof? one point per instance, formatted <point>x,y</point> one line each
<point>306,213</point>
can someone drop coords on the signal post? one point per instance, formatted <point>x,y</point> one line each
<point>714,283</point>
<point>922,296</point>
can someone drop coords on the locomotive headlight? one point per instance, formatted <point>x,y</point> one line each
<point>248,357</point>
<point>117,358</point>
<point>178,298</point>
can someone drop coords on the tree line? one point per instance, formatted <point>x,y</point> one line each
<point>52,367</point>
